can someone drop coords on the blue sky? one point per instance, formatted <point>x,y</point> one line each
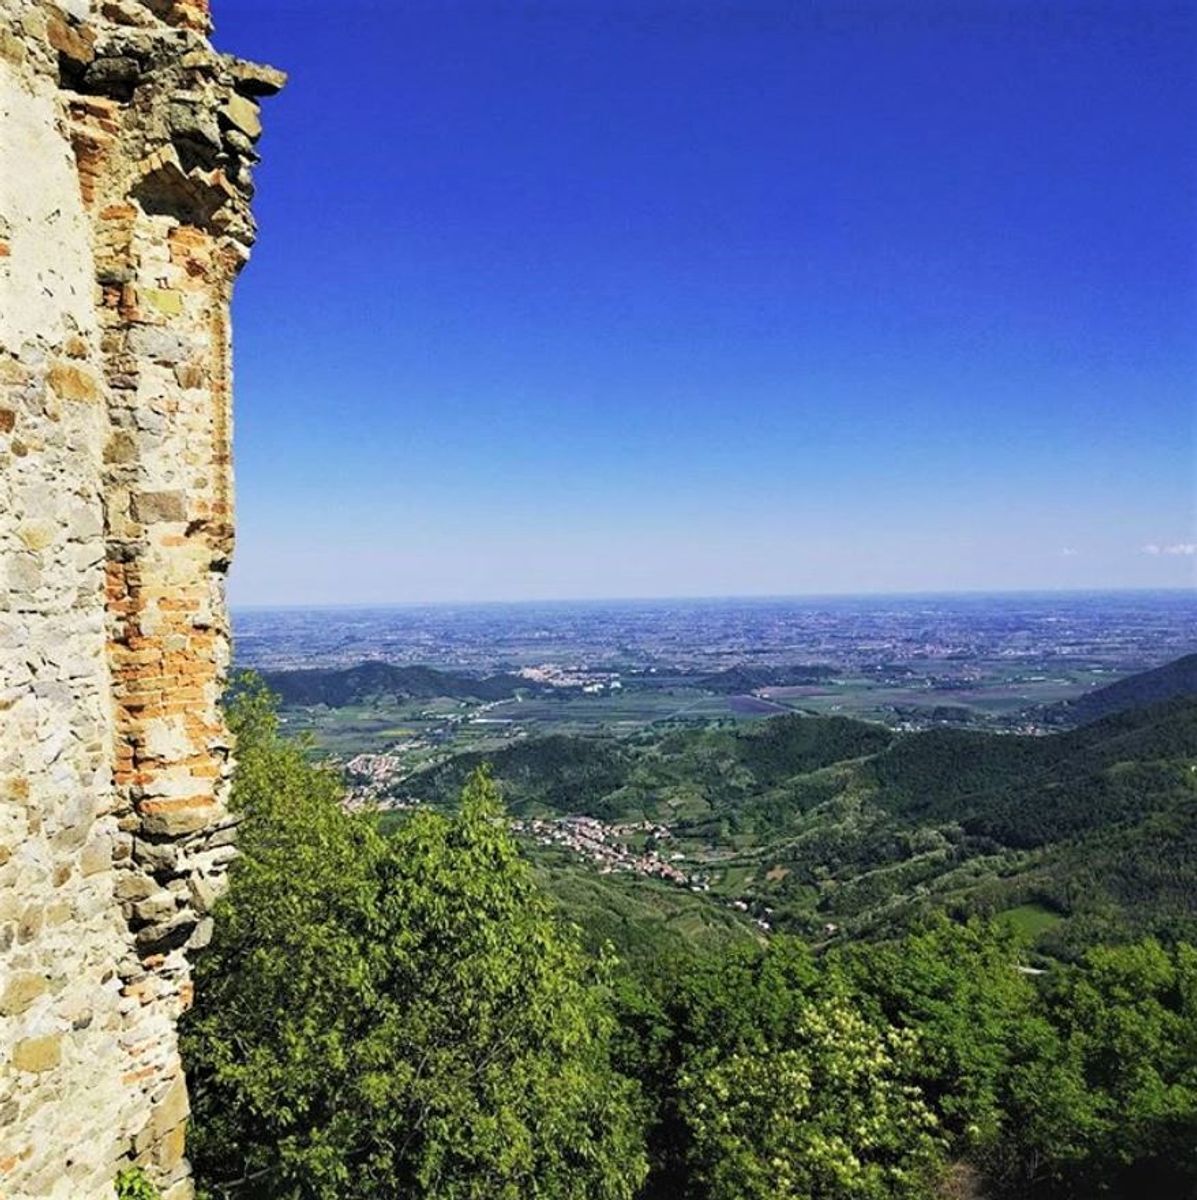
<point>588,298</point>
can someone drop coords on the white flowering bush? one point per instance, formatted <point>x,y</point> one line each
<point>826,1117</point>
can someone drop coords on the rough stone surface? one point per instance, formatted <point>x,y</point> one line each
<point>126,145</point>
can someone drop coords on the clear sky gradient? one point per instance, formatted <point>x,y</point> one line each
<point>590,298</point>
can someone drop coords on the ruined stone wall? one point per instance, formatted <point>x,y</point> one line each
<point>125,149</point>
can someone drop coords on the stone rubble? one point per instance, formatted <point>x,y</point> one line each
<point>126,150</point>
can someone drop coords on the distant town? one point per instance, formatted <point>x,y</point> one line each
<point>948,642</point>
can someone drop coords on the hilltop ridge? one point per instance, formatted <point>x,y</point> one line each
<point>1169,681</point>
<point>369,682</point>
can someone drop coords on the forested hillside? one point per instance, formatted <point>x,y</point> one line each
<point>834,822</point>
<point>403,1012</point>
<point>370,682</point>
<point>1174,680</point>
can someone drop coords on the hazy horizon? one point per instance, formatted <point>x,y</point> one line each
<point>498,601</point>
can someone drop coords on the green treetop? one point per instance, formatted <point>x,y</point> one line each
<point>395,1016</point>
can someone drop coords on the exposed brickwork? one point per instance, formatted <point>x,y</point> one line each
<point>126,145</point>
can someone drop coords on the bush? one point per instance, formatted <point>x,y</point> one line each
<point>133,1184</point>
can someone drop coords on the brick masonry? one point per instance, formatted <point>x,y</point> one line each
<point>126,145</point>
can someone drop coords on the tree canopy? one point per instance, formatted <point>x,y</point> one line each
<point>396,1016</point>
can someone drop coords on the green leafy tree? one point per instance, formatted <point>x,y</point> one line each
<point>395,1016</point>
<point>826,1117</point>
<point>959,988</point>
<point>1107,1102</point>
<point>767,1080</point>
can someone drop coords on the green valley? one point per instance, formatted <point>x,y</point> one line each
<point>834,828</point>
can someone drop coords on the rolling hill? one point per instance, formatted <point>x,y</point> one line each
<point>834,823</point>
<point>749,678</point>
<point>371,682</point>
<point>1174,680</point>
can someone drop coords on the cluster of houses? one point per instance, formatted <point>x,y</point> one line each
<point>369,777</point>
<point>375,769</point>
<point>608,846</point>
<point>589,681</point>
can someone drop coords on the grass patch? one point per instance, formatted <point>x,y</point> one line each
<point>1031,920</point>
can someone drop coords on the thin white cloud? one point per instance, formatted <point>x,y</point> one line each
<point>1069,552</point>
<point>1173,550</point>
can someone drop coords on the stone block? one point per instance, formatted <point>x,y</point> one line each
<point>158,857</point>
<point>21,990</point>
<point>236,140</point>
<point>192,122</point>
<point>170,935</point>
<point>201,935</point>
<point>37,1054</point>
<point>37,535</point>
<point>96,856</point>
<point>156,907</point>
<point>152,507</point>
<point>73,42</point>
<point>133,885</point>
<point>172,1110</point>
<point>166,300</point>
<point>158,345</point>
<point>168,1153</point>
<point>244,115</point>
<point>121,448</point>
<point>189,375</point>
<point>255,79</point>
<point>182,1190</point>
<point>30,923</point>
<point>71,382</point>
<point>173,818</point>
<point>204,892</point>
<point>12,49</point>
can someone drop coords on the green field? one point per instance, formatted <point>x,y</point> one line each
<point>1002,693</point>
<point>641,919</point>
<point>356,729</point>
<point>1031,920</point>
<point>421,731</point>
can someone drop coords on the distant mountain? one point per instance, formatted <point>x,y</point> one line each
<point>1169,682</point>
<point>374,682</point>
<point>747,679</point>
